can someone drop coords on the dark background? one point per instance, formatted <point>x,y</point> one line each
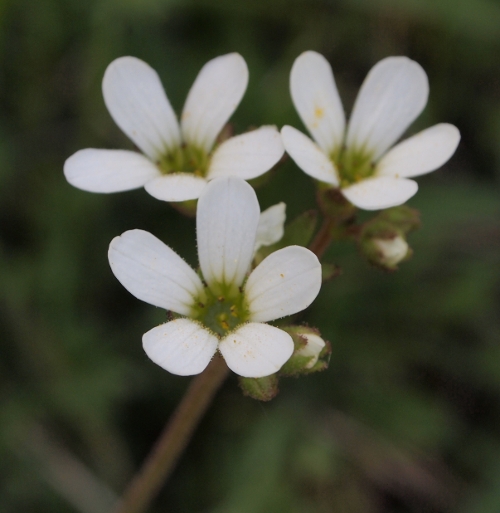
<point>406,419</point>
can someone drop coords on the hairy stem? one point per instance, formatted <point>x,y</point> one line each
<point>173,440</point>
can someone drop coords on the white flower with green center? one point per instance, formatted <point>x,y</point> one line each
<point>224,310</point>
<point>178,161</point>
<point>356,158</point>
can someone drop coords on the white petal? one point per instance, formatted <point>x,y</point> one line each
<point>317,100</point>
<point>314,346</point>
<point>420,154</point>
<point>226,223</point>
<point>154,273</point>
<point>393,94</point>
<point>284,283</point>
<point>256,350</point>
<point>136,100</point>
<point>214,96</point>
<point>248,155</point>
<point>309,156</point>
<point>176,187</point>
<point>377,193</point>
<point>183,347</point>
<point>108,170</point>
<point>392,251</point>
<point>271,225</point>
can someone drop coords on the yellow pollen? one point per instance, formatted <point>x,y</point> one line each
<point>222,321</point>
<point>319,112</point>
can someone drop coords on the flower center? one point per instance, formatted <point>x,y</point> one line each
<point>185,159</point>
<point>221,313</point>
<point>353,165</point>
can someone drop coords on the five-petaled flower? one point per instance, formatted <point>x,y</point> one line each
<point>222,310</point>
<point>355,159</point>
<point>178,161</point>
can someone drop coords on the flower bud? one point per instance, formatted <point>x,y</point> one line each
<point>382,240</point>
<point>311,353</point>
<point>391,251</point>
<point>385,249</point>
<point>312,349</point>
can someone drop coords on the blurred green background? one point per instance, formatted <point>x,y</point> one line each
<point>406,419</point>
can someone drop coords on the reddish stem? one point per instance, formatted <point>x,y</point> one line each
<point>161,461</point>
<point>323,238</point>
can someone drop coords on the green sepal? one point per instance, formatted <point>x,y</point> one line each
<point>403,218</point>
<point>334,205</point>
<point>262,389</point>
<point>296,366</point>
<point>187,208</point>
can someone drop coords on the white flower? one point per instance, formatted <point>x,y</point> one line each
<point>223,311</point>
<point>355,158</point>
<point>178,161</point>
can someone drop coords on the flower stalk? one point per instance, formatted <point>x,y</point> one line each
<point>323,238</point>
<point>174,439</point>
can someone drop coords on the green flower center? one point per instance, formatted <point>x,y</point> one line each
<point>353,165</point>
<point>221,313</point>
<point>185,159</point>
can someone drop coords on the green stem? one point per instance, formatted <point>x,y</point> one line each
<point>174,439</point>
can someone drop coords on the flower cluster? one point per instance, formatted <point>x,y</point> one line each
<point>225,306</point>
